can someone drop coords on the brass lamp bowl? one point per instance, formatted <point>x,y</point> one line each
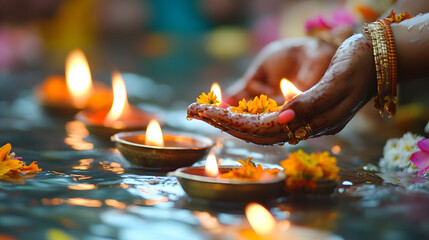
<point>181,149</point>
<point>196,184</point>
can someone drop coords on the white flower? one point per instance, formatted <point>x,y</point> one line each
<point>397,153</point>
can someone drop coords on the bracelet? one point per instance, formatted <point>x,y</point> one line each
<point>384,51</point>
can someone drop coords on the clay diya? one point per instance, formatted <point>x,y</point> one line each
<point>120,118</point>
<point>76,91</point>
<point>205,183</point>
<point>154,150</point>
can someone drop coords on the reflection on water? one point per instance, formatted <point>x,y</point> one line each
<point>115,203</point>
<point>84,164</point>
<point>151,202</point>
<point>76,133</point>
<point>72,201</point>
<point>85,186</point>
<point>84,202</point>
<point>112,167</point>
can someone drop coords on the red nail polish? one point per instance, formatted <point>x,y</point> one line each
<point>286,116</point>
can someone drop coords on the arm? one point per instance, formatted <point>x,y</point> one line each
<point>412,47</point>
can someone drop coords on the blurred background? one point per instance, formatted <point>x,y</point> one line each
<point>185,44</point>
<point>177,42</point>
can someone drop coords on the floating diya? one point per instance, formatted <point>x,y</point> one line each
<point>153,150</point>
<point>206,182</point>
<point>265,227</point>
<point>121,117</point>
<point>76,90</point>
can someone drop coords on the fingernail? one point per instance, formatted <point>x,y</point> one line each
<point>286,116</point>
<point>223,105</point>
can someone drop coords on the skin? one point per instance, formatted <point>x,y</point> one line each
<point>347,85</point>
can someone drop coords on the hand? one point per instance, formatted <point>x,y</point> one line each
<point>348,84</point>
<point>301,60</point>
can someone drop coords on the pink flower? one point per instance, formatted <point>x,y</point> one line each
<point>338,18</point>
<point>421,158</point>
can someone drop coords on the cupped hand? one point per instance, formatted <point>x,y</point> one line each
<point>261,129</point>
<point>301,60</point>
<point>348,84</point>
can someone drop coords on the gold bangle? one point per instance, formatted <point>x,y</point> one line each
<point>385,60</point>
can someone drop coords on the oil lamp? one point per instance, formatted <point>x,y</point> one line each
<point>154,150</point>
<point>204,183</point>
<point>263,226</point>
<point>121,117</point>
<point>75,91</point>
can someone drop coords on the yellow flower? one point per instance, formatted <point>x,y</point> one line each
<point>247,163</point>
<point>11,167</point>
<point>250,171</point>
<point>210,99</point>
<point>259,105</point>
<point>4,152</point>
<point>303,170</point>
<point>242,107</point>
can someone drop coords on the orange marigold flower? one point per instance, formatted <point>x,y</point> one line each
<point>259,105</point>
<point>393,18</point>
<point>210,99</point>
<point>303,170</point>
<point>242,107</point>
<point>11,166</point>
<point>250,171</point>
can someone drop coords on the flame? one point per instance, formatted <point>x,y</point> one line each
<point>216,90</point>
<point>260,219</point>
<point>78,77</point>
<point>120,100</point>
<point>211,166</point>
<point>288,89</point>
<point>154,135</point>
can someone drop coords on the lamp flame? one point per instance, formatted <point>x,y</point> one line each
<point>78,77</point>
<point>216,90</point>
<point>260,219</point>
<point>120,100</point>
<point>154,135</point>
<point>211,166</point>
<point>288,89</point>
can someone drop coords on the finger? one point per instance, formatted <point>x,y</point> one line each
<point>256,139</point>
<point>286,116</point>
<point>331,90</point>
<point>251,124</point>
<point>332,120</point>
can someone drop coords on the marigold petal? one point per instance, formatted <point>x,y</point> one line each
<point>6,167</point>
<point>4,152</point>
<point>32,168</point>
